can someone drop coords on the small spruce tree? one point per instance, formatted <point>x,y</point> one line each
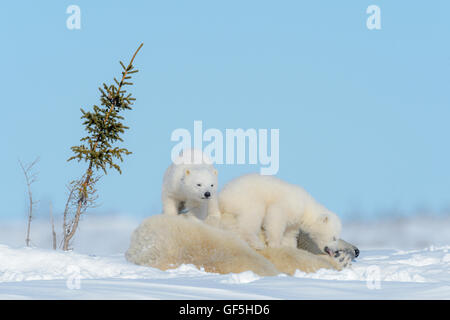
<point>104,127</point>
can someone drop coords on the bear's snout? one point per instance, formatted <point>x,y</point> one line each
<point>207,194</point>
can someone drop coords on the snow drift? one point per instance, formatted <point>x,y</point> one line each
<point>418,267</point>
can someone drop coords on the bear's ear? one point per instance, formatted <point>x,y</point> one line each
<point>187,172</point>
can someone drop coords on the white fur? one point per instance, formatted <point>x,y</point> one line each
<point>281,209</point>
<point>166,242</point>
<point>185,183</point>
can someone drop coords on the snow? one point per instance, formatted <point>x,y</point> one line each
<point>397,268</point>
<point>243,277</point>
<point>399,232</point>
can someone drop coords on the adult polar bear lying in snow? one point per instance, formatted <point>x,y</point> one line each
<point>281,209</point>
<point>166,242</point>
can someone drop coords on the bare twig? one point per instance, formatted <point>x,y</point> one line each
<point>74,203</point>
<point>53,227</point>
<point>66,228</point>
<point>30,178</point>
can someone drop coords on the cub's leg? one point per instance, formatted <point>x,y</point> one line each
<point>213,207</point>
<point>171,207</point>
<point>213,212</point>
<point>274,226</point>
<point>249,223</point>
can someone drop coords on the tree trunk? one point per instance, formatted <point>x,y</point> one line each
<point>53,228</point>
<point>69,235</point>
<point>30,216</point>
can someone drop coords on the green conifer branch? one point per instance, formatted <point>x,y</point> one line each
<point>104,129</point>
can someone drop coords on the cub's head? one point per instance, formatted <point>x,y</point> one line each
<point>199,184</point>
<point>327,231</point>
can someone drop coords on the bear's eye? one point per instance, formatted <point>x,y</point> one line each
<point>212,185</point>
<point>199,184</point>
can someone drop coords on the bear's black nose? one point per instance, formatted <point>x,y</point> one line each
<point>356,252</point>
<point>207,194</point>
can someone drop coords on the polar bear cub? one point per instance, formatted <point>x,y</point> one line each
<point>280,209</point>
<point>190,184</point>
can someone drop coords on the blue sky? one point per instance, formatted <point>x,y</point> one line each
<point>363,114</point>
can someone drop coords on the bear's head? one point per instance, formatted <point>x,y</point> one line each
<point>199,184</point>
<point>327,232</point>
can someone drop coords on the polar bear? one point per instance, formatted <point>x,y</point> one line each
<point>343,254</point>
<point>190,184</point>
<point>305,242</point>
<point>166,242</point>
<point>281,210</point>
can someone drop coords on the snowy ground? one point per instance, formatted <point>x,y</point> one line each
<point>418,267</point>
